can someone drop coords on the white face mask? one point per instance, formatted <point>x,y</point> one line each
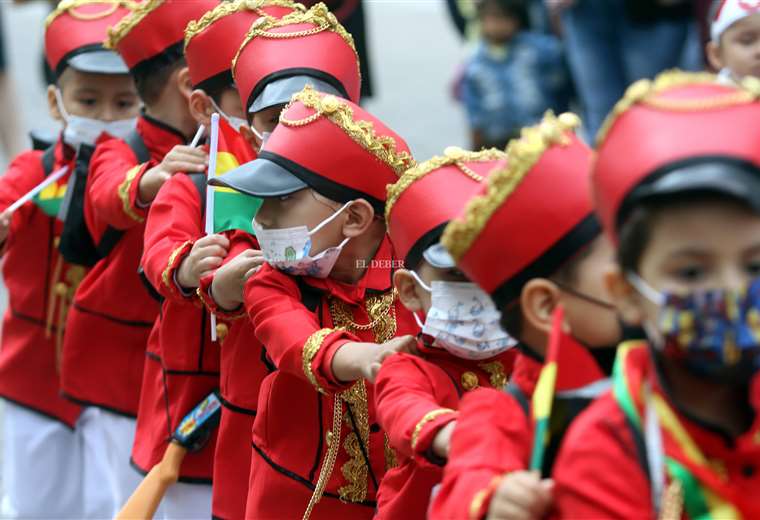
<point>83,130</point>
<point>287,249</point>
<point>263,136</point>
<point>235,122</point>
<point>463,320</point>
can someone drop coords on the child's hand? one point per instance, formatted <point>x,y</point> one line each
<point>442,440</point>
<point>354,360</point>
<point>179,159</point>
<point>5,225</point>
<point>521,495</point>
<point>205,256</point>
<point>227,287</point>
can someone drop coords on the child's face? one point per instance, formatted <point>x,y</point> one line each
<point>710,245</point>
<point>202,106</point>
<point>497,26</point>
<point>591,323</point>
<point>739,48</point>
<point>303,208</point>
<point>107,97</point>
<point>416,298</point>
<point>263,121</point>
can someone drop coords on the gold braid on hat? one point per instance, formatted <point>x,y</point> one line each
<point>645,92</point>
<point>224,9</point>
<point>522,156</point>
<point>451,156</point>
<point>129,22</point>
<point>69,6</point>
<point>318,15</point>
<point>361,132</point>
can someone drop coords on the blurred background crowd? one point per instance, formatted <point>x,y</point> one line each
<point>444,72</point>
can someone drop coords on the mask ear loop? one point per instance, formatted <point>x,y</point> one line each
<point>419,281</point>
<point>59,102</point>
<point>646,290</point>
<point>330,219</point>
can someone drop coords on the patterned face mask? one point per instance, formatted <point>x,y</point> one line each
<point>714,333</point>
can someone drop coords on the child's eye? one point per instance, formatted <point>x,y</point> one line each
<point>689,273</point>
<point>283,198</point>
<point>124,105</point>
<point>87,101</point>
<point>753,268</point>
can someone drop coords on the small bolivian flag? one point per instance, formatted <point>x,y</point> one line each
<point>49,199</point>
<point>543,395</point>
<point>232,210</point>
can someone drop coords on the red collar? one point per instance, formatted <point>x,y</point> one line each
<point>159,137</point>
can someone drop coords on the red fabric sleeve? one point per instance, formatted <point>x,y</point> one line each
<point>174,224</point>
<point>112,185</point>
<point>597,472</point>
<point>288,329</point>
<point>24,173</point>
<point>492,437</point>
<point>239,241</point>
<point>408,408</point>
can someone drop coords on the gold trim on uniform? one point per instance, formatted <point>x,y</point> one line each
<point>318,15</point>
<point>69,6</point>
<point>361,132</point>
<point>433,414</point>
<point>391,461</point>
<point>477,500</point>
<point>522,156</point>
<point>224,9</point>
<point>129,22</point>
<point>165,276</point>
<point>496,375</point>
<point>747,91</point>
<point>451,155</point>
<point>355,470</point>
<point>310,349</point>
<point>123,191</point>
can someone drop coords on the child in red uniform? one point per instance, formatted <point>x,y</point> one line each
<point>180,373</point>
<point>734,48</point>
<point>462,345</point>
<point>113,313</point>
<point>531,241</point>
<point>676,185</point>
<point>43,462</point>
<point>274,68</point>
<point>324,307</point>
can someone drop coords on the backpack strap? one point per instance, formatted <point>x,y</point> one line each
<point>137,144</point>
<point>48,160</point>
<point>199,180</point>
<point>514,390</point>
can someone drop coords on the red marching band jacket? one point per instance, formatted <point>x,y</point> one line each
<point>40,286</point>
<point>113,313</point>
<point>311,430</point>
<point>181,363</point>
<point>243,365</point>
<point>416,397</point>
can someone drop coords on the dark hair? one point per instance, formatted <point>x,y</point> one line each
<point>150,84</point>
<point>517,9</point>
<point>567,274</point>
<point>636,231</point>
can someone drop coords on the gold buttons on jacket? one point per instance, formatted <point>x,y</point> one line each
<point>221,331</point>
<point>469,380</point>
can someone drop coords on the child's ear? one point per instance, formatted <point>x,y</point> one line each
<point>200,107</point>
<point>538,299</point>
<point>184,84</point>
<point>53,109</point>
<point>361,214</point>
<point>407,289</point>
<point>713,56</point>
<point>624,296</point>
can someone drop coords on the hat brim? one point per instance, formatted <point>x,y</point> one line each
<point>730,177</point>
<point>279,92</point>
<point>260,178</point>
<point>98,62</point>
<point>437,256</point>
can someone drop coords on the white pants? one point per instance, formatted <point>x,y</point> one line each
<point>42,467</point>
<point>107,442</point>
<point>186,501</point>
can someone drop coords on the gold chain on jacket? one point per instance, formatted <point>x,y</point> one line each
<point>383,324</point>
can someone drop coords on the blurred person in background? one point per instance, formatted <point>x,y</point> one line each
<point>612,43</point>
<point>513,76</point>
